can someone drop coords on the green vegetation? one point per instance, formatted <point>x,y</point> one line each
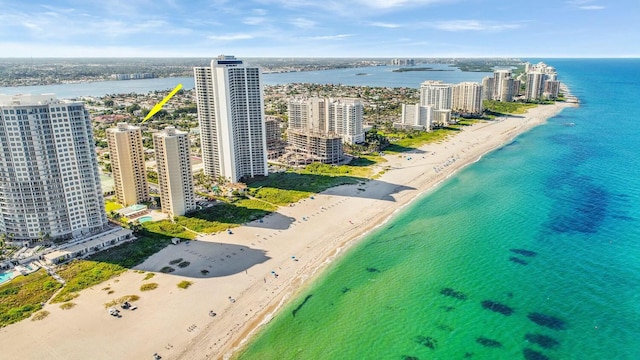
<point>152,176</point>
<point>40,315</point>
<point>148,287</point>
<point>120,300</point>
<point>82,274</point>
<point>175,261</point>
<point>148,276</point>
<point>67,306</point>
<point>495,107</point>
<point>288,187</point>
<point>167,269</point>
<point>112,206</point>
<point>184,284</point>
<point>410,140</point>
<point>23,295</point>
<point>184,264</point>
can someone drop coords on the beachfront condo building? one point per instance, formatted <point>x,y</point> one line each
<point>49,181</point>
<point>487,88</point>
<point>467,98</point>
<point>306,146</point>
<point>328,116</point>
<point>503,85</point>
<point>127,164</point>
<point>417,117</point>
<point>345,119</point>
<point>439,96</point>
<point>542,82</point>
<point>231,116</point>
<point>174,171</point>
<point>534,87</point>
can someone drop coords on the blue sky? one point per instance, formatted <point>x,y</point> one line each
<point>313,28</point>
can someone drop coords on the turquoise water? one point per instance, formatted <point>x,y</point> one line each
<point>449,277</point>
<point>4,277</point>
<point>144,219</point>
<point>137,207</point>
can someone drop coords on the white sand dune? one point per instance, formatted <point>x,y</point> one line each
<point>240,284</point>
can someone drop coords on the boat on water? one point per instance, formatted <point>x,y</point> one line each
<point>569,124</point>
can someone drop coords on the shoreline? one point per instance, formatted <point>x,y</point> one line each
<point>296,242</point>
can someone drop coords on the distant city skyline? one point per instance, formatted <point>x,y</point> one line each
<point>307,28</point>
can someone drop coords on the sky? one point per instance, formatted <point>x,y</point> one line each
<point>316,28</point>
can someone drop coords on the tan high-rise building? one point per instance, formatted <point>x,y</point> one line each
<point>174,171</point>
<point>502,85</point>
<point>127,164</point>
<point>467,98</point>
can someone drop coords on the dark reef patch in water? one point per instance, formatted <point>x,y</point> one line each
<point>582,209</point>
<point>427,341</point>
<point>295,311</point>
<point>497,307</point>
<point>345,290</point>
<point>444,327</point>
<point>488,342</point>
<point>548,321</point>
<point>407,357</point>
<point>518,260</point>
<point>447,308</point>
<point>534,355</point>
<point>468,355</point>
<point>454,294</point>
<point>524,252</point>
<point>373,270</point>
<point>544,341</point>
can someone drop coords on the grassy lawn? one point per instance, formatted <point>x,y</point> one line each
<point>217,218</point>
<point>403,142</point>
<point>112,206</point>
<point>23,295</point>
<point>82,274</point>
<point>498,107</point>
<point>288,187</point>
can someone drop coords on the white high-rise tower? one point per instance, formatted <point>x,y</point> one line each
<point>231,115</point>
<point>49,181</point>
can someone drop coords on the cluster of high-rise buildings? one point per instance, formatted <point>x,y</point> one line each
<point>541,82</point>
<point>319,126</point>
<point>438,100</point>
<point>49,181</point>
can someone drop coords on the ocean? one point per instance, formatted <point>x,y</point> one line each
<point>533,252</point>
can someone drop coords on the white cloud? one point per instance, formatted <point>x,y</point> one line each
<point>385,25</point>
<point>231,37</point>
<point>253,20</point>
<point>473,25</point>
<point>591,7</point>
<point>389,4</point>
<point>332,37</point>
<point>303,23</point>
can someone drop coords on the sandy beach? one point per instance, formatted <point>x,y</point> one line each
<point>244,277</point>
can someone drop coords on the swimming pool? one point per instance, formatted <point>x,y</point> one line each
<point>137,207</point>
<point>4,277</point>
<point>144,219</point>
